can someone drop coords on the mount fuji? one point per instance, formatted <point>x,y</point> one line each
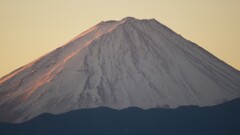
<point>118,64</point>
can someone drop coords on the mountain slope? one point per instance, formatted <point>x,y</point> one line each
<point>223,119</point>
<point>118,64</point>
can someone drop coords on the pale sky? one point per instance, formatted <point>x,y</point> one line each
<point>31,28</point>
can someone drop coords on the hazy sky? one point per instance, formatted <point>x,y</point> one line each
<point>31,28</point>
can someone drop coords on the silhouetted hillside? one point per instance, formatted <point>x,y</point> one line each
<point>219,120</point>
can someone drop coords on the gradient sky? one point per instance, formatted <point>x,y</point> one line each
<point>31,28</point>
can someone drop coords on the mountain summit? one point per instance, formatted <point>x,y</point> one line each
<point>118,64</point>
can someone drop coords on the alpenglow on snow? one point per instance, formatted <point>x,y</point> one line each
<point>118,64</point>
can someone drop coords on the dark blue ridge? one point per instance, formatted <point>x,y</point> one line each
<point>222,119</point>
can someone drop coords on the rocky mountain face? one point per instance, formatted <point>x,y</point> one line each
<point>118,64</point>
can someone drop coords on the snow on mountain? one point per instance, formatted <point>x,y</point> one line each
<point>118,64</point>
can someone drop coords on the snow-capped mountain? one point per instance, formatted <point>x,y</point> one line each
<point>118,64</point>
